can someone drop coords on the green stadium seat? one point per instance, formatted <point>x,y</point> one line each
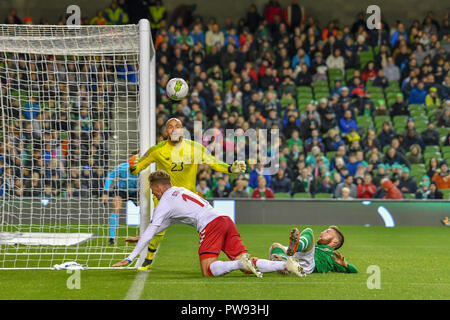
<point>410,195</point>
<point>320,84</point>
<point>304,89</point>
<point>302,195</point>
<point>323,196</point>
<point>432,149</point>
<point>445,194</point>
<point>282,195</point>
<point>287,101</point>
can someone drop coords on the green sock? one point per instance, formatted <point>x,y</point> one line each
<point>279,252</point>
<point>306,238</point>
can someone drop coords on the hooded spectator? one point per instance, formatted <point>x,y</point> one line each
<point>392,192</point>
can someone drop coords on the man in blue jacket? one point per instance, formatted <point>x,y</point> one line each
<point>347,123</point>
<point>418,94</point>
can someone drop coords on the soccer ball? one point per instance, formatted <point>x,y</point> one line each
<point>177,89</point>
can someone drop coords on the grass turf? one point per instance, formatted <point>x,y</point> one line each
<point>413,262</point>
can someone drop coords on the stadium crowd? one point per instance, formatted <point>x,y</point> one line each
<point>361,113</point>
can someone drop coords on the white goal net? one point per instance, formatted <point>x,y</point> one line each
<point>69,117</point>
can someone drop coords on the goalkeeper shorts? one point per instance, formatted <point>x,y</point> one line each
<point>220,235</point>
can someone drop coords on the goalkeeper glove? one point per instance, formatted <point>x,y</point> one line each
<point>238,166</point>
<point>132,162</point>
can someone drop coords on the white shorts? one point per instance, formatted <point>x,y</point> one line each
<point>305,259</point>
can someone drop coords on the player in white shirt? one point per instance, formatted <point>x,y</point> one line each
<point>217,232</point>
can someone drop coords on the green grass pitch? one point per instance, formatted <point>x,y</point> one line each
<point>413,264</point>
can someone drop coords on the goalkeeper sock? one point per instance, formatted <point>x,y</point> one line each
<point>113,223</point>
<point>306,238</point>
<point>269,266</point>
<point>218,268</point>
<point>154,244</point>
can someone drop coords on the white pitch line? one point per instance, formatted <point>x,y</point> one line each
<point>135,291</point>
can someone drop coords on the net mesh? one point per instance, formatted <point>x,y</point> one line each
<point>69,117</point>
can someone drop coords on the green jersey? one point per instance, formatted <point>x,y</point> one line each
<point>325,263</point>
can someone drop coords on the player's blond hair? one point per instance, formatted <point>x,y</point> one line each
<point>159,176</point>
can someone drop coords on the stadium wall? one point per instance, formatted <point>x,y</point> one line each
<point>252,211</point>
<point>324,10</point>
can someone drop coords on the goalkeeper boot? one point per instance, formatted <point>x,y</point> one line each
<point>146,265</point>
<point>294,239</point>
<point>248,266</point>
<point>277,257</point>
<point>446,222</point>
<point>293,266</point>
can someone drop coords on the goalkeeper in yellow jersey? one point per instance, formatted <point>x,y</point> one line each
<point>180,158</point>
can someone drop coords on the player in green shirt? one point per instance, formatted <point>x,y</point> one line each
<point>318,257</point>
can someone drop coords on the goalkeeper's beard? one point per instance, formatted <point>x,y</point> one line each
<point>175,137</point>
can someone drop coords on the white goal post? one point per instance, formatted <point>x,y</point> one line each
<point>76,101</point>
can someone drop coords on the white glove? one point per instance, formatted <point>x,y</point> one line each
<point>238,166</point>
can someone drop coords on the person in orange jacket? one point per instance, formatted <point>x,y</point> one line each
<point>442,177</point>
<point>392,192</point>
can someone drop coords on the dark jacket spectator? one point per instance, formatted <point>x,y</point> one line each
<point>281,183</point>
<point>386,135</point>
<point>430,136</point>
<point>407,183</point>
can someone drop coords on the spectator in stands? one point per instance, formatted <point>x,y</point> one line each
<point>442,177</point>
<point>414,155</point>
<point>240,189</point>
<point>281,182</point>
<point>380,80</point>
<point>262,191</point>
<point>304,77</point>
<point>430,136</point>
<point>434,192</point>
<point>432,98</point>
<point>12,17</point>
<point>336,61</point>
<point>424,189</point>
<point>256,172</point>
<point>214,37</point>
<point>115,15</point>
<point>346,123</point>
<point>399,107</point>
<point>328,122</point>
<point>253,18</point>
<point>345,194</point>
<point>221,191</point>
<point>304,182</point>
<point>418,94</point>
<point>391,191</point>
<point>387,134</point>
<point>391,70</point>
<point>444,119</point>
<point>347,183</point>
<point>433,167</point>
<point>369,72</point>
<point>99,19</point>
<point>392,156</point>
<point>407,183</point>
<point>370,140</point>
<point>203,189</point>
<point>367,189</point>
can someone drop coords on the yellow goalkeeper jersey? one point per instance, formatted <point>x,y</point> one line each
<point>180,162</point>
